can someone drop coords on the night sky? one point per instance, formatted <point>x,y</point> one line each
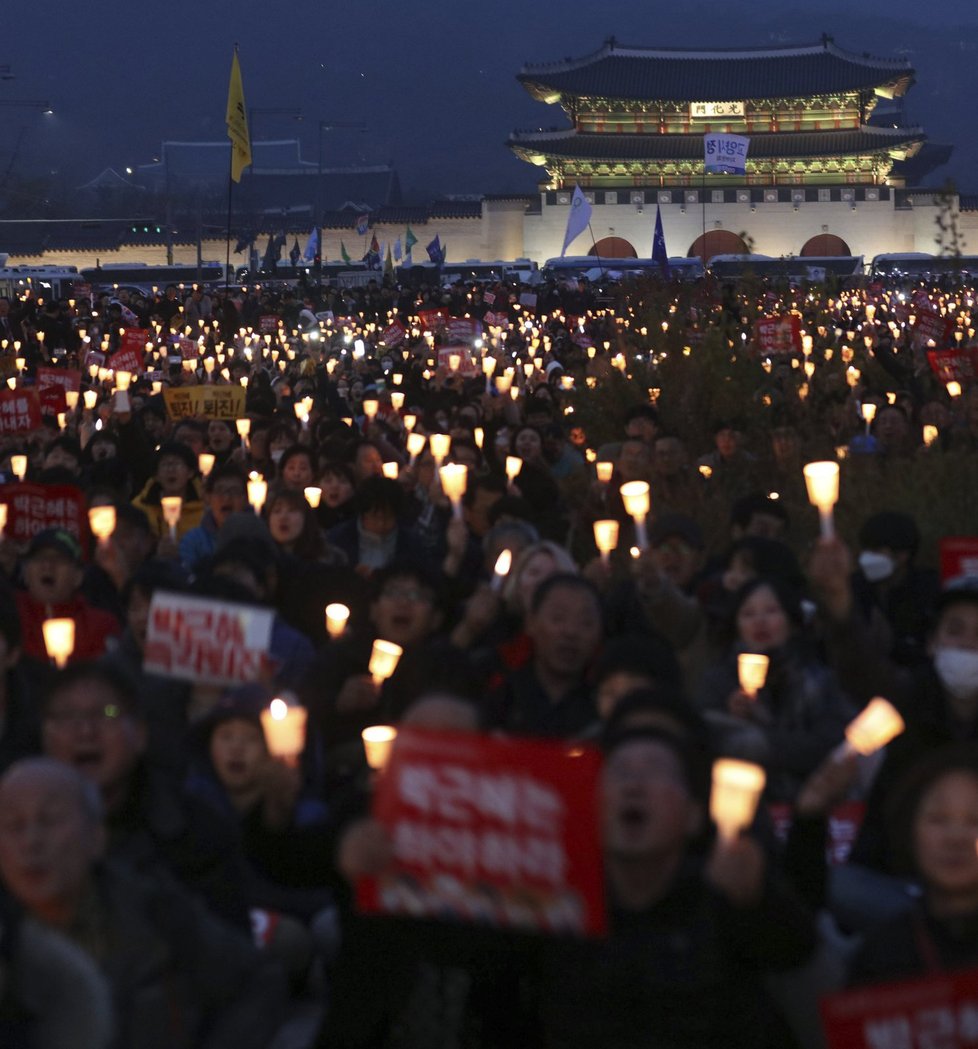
<point>434,80</point>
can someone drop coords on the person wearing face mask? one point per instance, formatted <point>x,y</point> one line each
<point>890,588</point>
<point>938,698</point>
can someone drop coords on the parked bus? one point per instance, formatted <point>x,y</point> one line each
<point>41,282</point>
<point>596,268</point>
<point>147,277</point>
<point>795,268</point>
<point>921,264</point>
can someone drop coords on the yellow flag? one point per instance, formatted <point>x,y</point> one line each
<point>237,122</point>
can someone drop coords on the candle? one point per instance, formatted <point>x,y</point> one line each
<point>243,427</point>
<point>91,399</point>
<point>954,388</point>
<point>604,471</point>
<point>706,471</point>
<point>390,470</point>
<point>18,464</point>
<point>370,406</point>
<point>822,482</point>
<point>337,616</point>
<point>869,414</point>
<point>513,466</point>
<point>3,518</point>
<point>71,399</point>
<point>314,495</point>
<point>454,478</point>
<point>415,445</point>
<point>383,660</point>
<point>605,538</point>
<point>172,506</point>
<point>503,564</point>
<point>440,443</point>
<point>930,434</point>
<point>874,727</point>
<point>205,463</point>
<point>752,672</point>
<point>480,435</point>
<point>635,496</point>
<point>59,639</point>
<point>410,421</point>
<point>284,725</point>
<point>257,492</point>
<point>378,740</point>
<point>101,520</point>
<point>397,400</point>
<point>737,787</point>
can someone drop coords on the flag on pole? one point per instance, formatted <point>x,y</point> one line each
<point>397,250</point>
<point>659,253</point>
<point>434,250</point>
<point>578,219</point>
<point>344,255</point>
<point>296,253</point>
<point>409,241</point>
<point>237,122</point>
<point>312,245</point>
<point>363,224</point>
<point>388,263</point>
<point>372,257</point>
<point>725,154</point>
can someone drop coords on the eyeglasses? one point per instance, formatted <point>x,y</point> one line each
<point>74,719</point>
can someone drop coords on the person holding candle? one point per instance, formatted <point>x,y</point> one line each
<point>339,486</point>
<point>53,572</point>
<point>799,714</point>
<point>176,467</point>
<point>297,468</point>
<point>225,493</point>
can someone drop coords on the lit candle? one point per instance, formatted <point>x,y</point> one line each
<point>378,740</point>
<point>397,400</point>
<point>635,496</point>
<point>18,465</point>
<point>101,520</point>
<point>605,538</point>
<point>822,482</point>
<point>480,435</point>
<point>370,407</point>
<point>454,478</point>
<point>244,429</point>
<point>513,466</point>
<point>503,564</point>
<point>91,399</point>
<point>737,787</point>
<point>440,444</point>
<point>410,421</point>
<point>874,727</point>
<point>257,491</point>
<point>284,725</point>
<point>314,495</point>
<point>604,471</point>
<point>930,434</point>
<point>383,660</point>
<point>869,414</point>
<point>954,388</point>
<point>337,616</point>
<point>59,639</point>
<point>752,672</point>
<point>391,470</point>
<point>3,518</point>
<point>706,471</point>
<point>71,399</point>
<point>415,445</point>
<point>172,506</point>
<point>205,463</point>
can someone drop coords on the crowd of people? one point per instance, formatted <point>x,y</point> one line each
<point>167,881</point>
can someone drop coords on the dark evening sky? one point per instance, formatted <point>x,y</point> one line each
<point>434,80</point>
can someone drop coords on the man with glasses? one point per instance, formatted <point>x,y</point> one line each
<point>225,493</point>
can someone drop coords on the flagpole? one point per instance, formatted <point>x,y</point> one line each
<point>594,244</point>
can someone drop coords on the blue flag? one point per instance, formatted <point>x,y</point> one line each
<point>435,252</point>
<point>659,253</point>
<point>578,218</point>
<point>397,250</point>
<point>312,245</point>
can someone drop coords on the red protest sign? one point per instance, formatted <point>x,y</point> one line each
<point>32,508</point>
<point>433,320</point>
<point>959,556</point>
<point>466,366</point>
<point>957,365</point>
<point>931,326</point>
<point>393,334</point>
<point>463,329</point>
<point>938,1012</point>
<point>778,335</point>
<point>187,348</point>
<point>52,384</point>
<point>497,320</point>
<point>20,411</point>
<point>211,642</point>
<point>497,831</point>
<point>128,358</point>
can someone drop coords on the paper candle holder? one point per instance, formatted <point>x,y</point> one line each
<point>737,787</point>
<point>284,725</point>
<point>384,658</point>
<point>877,724</point>
<point>378,741</point>
<point>337,617</point>
<point>59,639</point>
<point>822,482</point>
<point>752,672</point>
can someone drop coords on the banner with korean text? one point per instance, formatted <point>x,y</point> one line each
<point>33,508</point>
<point>206,641</point>
<point>205,402</point>
<point>777,336</point>
<point>725,154</point>
<point>499,832</point>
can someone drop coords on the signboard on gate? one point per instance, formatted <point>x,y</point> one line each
<point>499,832</point>
<point>210,642</point>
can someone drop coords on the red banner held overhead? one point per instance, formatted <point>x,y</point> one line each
<point>501,832</point>
<point>959,556</point>
<point>20,411</point>
<point>938,1012</point>
<point>393,334</point>
<point>52,384</point>
<point>775,336</point>
<point>433,320</point>
<point>463,329</point>
<point>930,326</point>
<point>129,357</point>
<point>32,508</point>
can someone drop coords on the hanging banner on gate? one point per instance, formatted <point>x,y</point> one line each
<point>499,832</point>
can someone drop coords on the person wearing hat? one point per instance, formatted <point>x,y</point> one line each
<point>176,469</point>
<point>52,574</point>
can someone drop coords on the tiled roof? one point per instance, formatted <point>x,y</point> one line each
<point>714,76</point>
<point>414,214</point>
<point>570,144</point>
